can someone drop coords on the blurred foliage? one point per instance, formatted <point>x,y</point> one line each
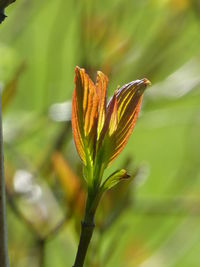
<point>154,220</point>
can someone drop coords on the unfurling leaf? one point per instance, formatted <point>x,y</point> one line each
<point>114,179</point>
<point>100,129</point>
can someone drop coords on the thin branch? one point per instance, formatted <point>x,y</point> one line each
<point>31,226</point>
<point>3,229</point>
<point>39,239</point>
<point>21,216</point>
<point>57,228</point>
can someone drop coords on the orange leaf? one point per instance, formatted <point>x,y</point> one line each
<point>84,115</point>
<point>70,182</point>
<point>101,85</point>
<point>102,130</point>
<point>129,99</point>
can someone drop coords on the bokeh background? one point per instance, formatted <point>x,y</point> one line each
<point>154,219</point>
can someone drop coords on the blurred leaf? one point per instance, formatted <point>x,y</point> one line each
<point>69,181</point>
<point>11,87</point>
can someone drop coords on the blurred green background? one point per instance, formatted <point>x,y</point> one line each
<point>152,221</point>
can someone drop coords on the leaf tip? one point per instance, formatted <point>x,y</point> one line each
<point>124,175</point>
<point>146,82</point>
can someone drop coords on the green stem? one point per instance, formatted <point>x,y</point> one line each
<point>3,232</point>
<point>41,252</point>
<point>86,235</point>
<point>87,229</point>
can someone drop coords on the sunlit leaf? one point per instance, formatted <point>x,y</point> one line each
<point>102,130</point>
<point>84,115</point>
<point>129,99</point>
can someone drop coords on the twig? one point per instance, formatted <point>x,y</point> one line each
<point>21,216</point>
<point>56,229</point>
<point>3,230</point>
<point>39,239</point>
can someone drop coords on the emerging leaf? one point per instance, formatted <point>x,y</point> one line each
<point>129,100</point>
<point>114,179</point>
<point>84,115</point>
<point>102,130</point>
